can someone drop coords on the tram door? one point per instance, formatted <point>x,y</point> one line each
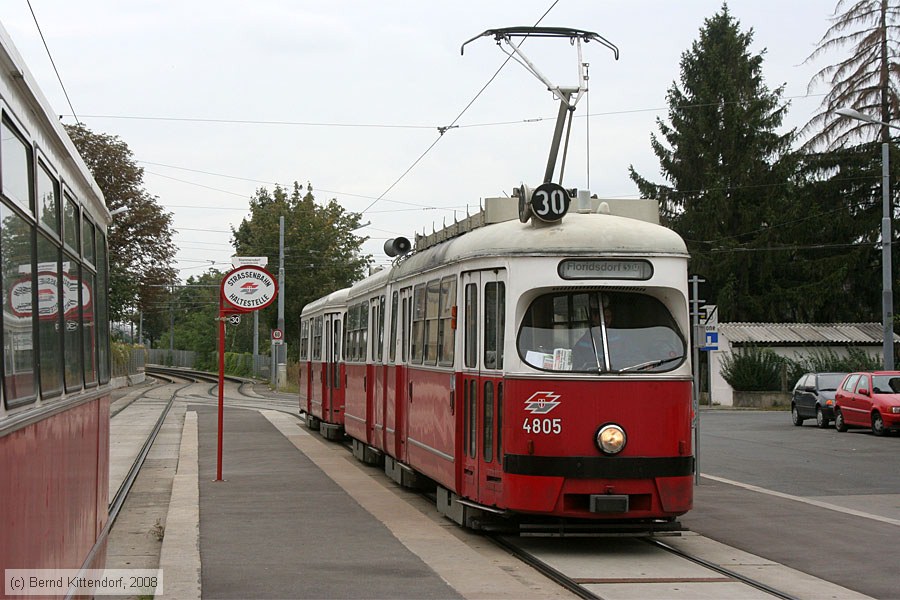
<point>401,395</point>
<point>332,397</point>
<point>483,321</point>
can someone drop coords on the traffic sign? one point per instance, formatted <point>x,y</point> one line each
<point>277,337</point>
<point>249,261</point>
<point>234,319</point>
<point>711,327</point>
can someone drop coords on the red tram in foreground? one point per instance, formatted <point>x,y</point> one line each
<point>526,368</point>
<point>54,393</point>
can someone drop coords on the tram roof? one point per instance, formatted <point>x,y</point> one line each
<point>576,234</point>
<point>17,75</point>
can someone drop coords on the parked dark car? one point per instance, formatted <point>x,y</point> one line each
<point>813,398</point>
<point>868,400</point>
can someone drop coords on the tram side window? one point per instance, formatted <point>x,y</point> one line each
<point>432,304</point>
<point>494,322</point>
<point>304,339</point>
<point>395,299</point>
<point>88,331</point>
<point>48,199</point>
<point>446,330</point>
<point>72,317</point>
<point>18,346</point>
<point>101,311</point>
<point>88,240</point>
<point>70,223</point>
<point>488,443</point>
<point>317,339</point>
<point>418,324</point>
<point>500,422</point>
<point>49,317</point>
<point>379,350</point>
<point>15,165</point>
<point>471,325</point>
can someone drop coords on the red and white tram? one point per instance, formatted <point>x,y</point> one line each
<point>527,368</point>
<point>54,393</point>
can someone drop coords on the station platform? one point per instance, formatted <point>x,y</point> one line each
<point>278,526</point>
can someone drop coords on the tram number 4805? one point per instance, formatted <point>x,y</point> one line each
<point>547,426</point>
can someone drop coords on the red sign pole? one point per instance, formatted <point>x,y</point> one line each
<point>245,289</point>
<point>221,387</point>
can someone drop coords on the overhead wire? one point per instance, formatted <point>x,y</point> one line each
<point>442,130</point>
<point>52,62</point>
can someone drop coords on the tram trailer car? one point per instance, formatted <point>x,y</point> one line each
<point>321,375</point>
<point>527,369</point>
<point>55,389</point>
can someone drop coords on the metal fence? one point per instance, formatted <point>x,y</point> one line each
<point>172,358</point>
<point>132,366</point>
<point>258,366</point>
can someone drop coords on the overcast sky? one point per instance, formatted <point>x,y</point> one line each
<point>218,98</point>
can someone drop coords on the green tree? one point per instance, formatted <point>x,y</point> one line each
<point>195,308</point>
<point>726,168</point>
<point>867,80</point>
<point>322,254</point>
<point>141,251</point>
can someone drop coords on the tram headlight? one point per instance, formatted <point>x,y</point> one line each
<point>611,439</point>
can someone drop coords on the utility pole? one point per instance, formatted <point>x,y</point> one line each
<point>696,303</point>
<point>281,349</point>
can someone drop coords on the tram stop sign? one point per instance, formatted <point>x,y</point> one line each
<point>247,289</point>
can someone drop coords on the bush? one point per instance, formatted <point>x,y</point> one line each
<point>754,370</point>
<point>827,361</point>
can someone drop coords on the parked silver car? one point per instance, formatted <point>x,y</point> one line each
<point>813,398</point>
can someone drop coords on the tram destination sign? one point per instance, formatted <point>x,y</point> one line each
<point>640,270</point>
<point>249,288</point>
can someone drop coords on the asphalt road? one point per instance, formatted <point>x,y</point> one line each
<point>828,503</point>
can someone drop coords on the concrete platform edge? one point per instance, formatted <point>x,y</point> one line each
<point>179,558</point>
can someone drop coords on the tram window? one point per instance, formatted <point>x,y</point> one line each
<point>473,418</point>
<point>418,324</point>
<point>18,349</point>
<point>304,339</point>
<point>70,223</point>
<point>494,321</point>
<point>471,325</point>
<point>488,445</point>
<point>317,339</point>
<point>87,240</point>
<point>499,420</point>
<point>15,165</point>
<point>379,353</point>
<point>596,331</point>
<point>363,331</point>
<point>72,329</point>
<point>88,331</point>
<point>395,297</point>
<point>49,317</point>
<point>48,199</point>
<point>101,310</point>
<point>446,333</point>
<point>432,305</point>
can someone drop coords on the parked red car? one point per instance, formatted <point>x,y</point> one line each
<point>868,400</point>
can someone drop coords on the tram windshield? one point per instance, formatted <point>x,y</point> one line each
<point>600,332</point>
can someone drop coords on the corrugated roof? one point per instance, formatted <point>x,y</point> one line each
<point>804,334</point>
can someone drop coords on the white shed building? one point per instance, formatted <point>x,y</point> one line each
<point>791,340</point>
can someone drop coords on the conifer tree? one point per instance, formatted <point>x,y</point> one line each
<point>725,168</point>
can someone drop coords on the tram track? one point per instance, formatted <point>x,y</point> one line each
<point>568,574</point>
<point>566,566</point>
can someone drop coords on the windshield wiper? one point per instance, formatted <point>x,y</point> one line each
<point>652,364</point>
